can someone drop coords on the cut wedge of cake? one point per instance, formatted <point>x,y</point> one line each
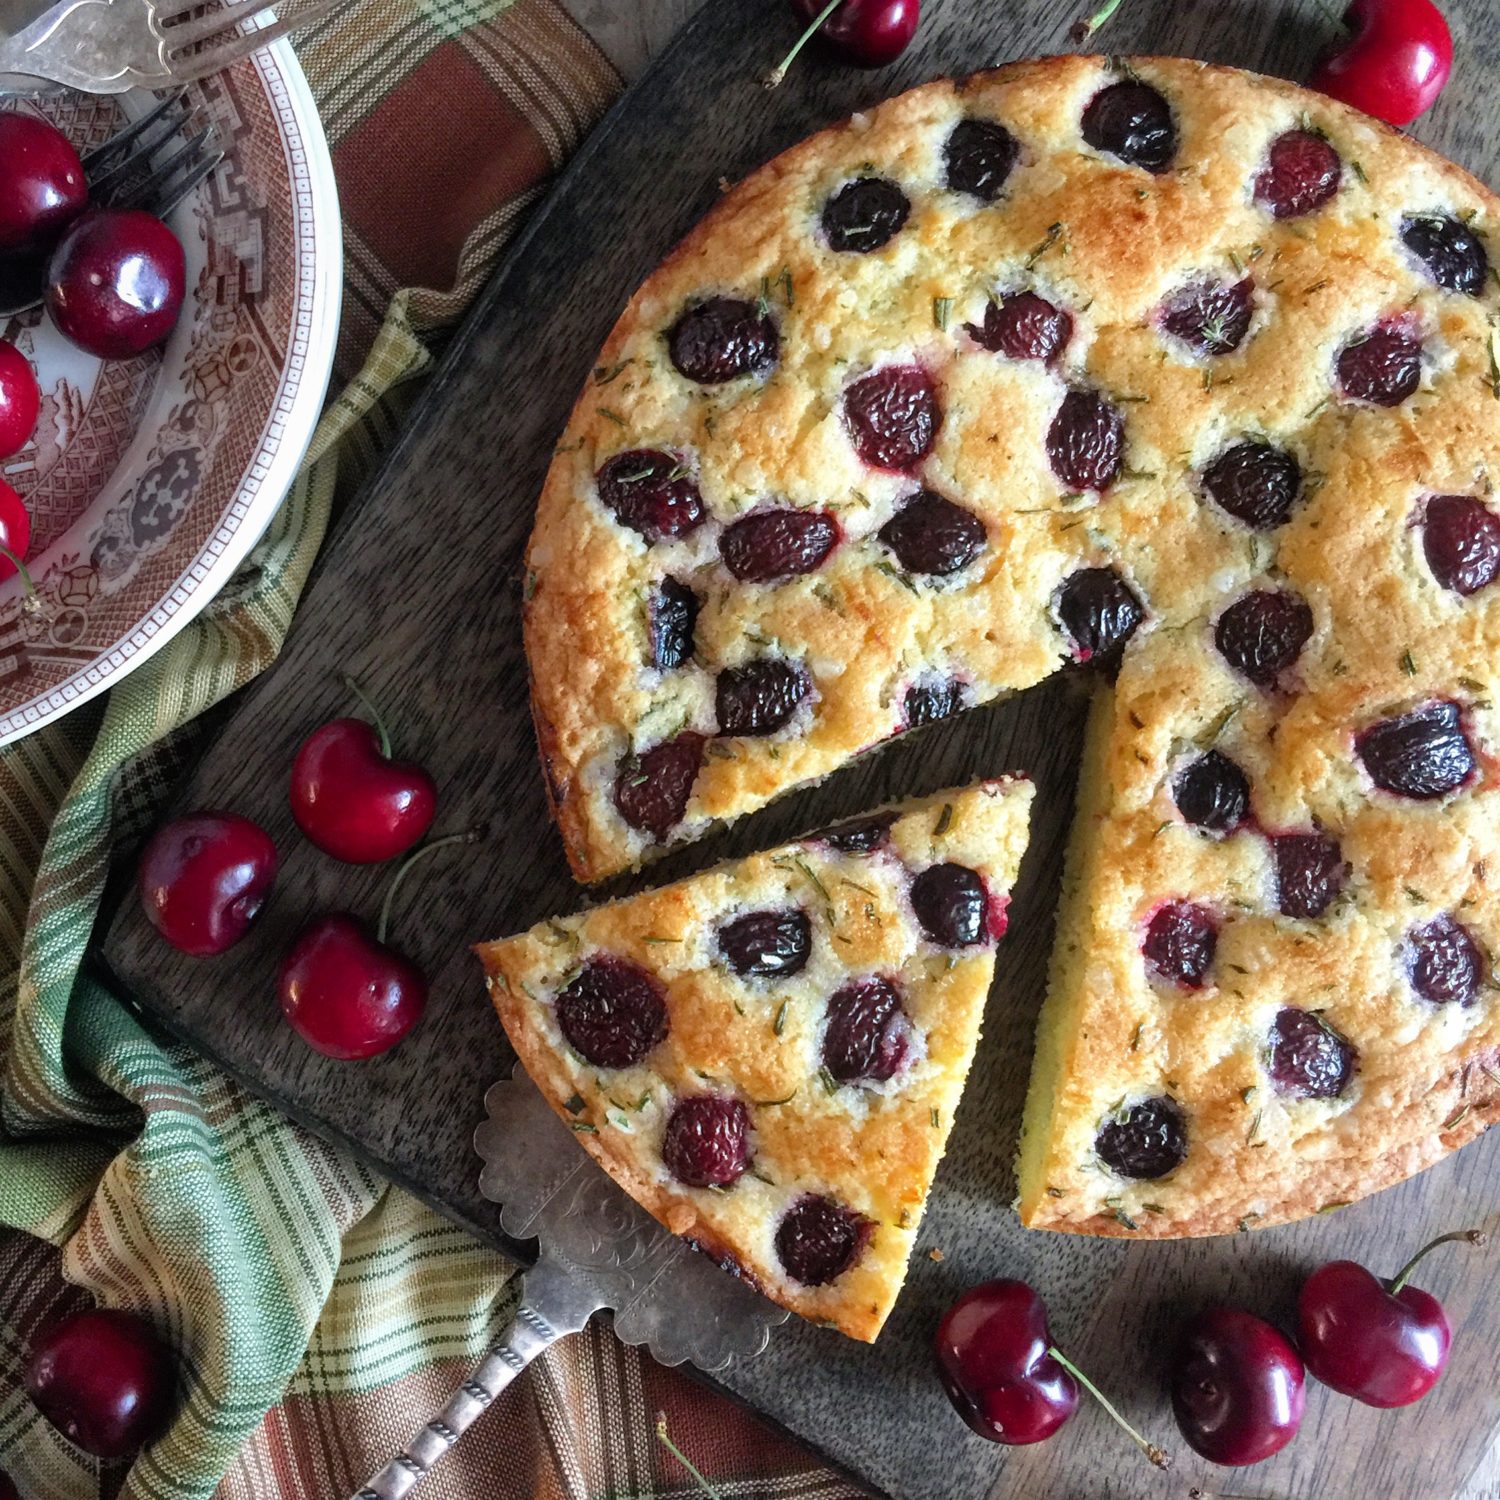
<point>768,1056</point>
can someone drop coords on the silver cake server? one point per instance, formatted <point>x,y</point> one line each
<point>597,1248</point>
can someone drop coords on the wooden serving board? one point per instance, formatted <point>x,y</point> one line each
<point>418,595</point>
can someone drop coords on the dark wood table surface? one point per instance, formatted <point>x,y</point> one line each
<point>418,595</point>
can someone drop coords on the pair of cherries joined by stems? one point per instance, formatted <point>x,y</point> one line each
<point>205,877</point>
<point>1395,57</point>
<point>1237,1382</point>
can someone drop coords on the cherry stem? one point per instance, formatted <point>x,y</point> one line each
<point>374,713</point>
<point>390,896</point>
<point>773,78</point>
<point>1081,31</point>
<point>1468,1236</point>
<point>1197,1494</point>
<point>1159,1456</point>
<point>665,1439</point>
<point>27,583</point>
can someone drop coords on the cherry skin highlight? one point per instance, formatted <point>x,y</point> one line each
<point>203,879</point>
<point>104,1378</point>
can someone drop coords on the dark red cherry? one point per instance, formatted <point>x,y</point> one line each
<point>651,492</point>
<point>1382,367</point>
<point>116,282</point>
<point>1209,317</point>
<point>1180,941</point>
<point>722,339</point>
<point>1255,483</point>
<point>1005,1376</point>
<point>772,944</point>
<point>1131,121</point>
<point>1392,61</point>
<point>893,416</point>
<point>1308,1058</point>
<point>1450,252</point>
<point>997,1364</point>
<point>760,697</point>
<point>866,33</point>
<point>1423,754</point>
<point>345,992</point>
<point>1213,793</point>
<point>352,800</point>
<point>1023,325</point>
<point>868,1036</point>
<point>1444,962</point>
<point>1301,173</point>
<point>1086,442</point>
<point>1144,1141</point>
<point>42,187</point>
<point>15,527</point>
<point>707,1141</point>
<point>927,702</point>
<point>1310,873</point>
<point>1099,613</point>
<point>978,157</point>
<point>933,536</point>
<point>674,617</point>
<point>774,544</point>
<point>818,1239</point>
<point>952,905</point>
<point>203,879</point>
<point>1384,1343</point>
<point>612,1012</point>
<point>1262,634</point>
<point>865,214</point>
<point>20,400</point>
<point>103,1378</point>
<point>1461,537</point>
<point>1238,1387</point>
<point>863,836</point>
<point>652,789</point>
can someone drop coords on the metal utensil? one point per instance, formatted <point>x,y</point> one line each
<point>597,1249</point>
<point>153,162</point>
<point>110,46</point>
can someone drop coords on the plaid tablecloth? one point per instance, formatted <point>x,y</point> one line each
<point>319,1315</point>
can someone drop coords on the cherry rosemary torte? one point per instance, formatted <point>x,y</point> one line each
<point>768,1055</point>
<point>1184,373</point>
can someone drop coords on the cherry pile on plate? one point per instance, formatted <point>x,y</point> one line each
<point>205,877</point>
<point>114,282</point>
<point>1238,1383</point>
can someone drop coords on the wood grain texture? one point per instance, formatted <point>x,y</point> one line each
<point>418,595</point>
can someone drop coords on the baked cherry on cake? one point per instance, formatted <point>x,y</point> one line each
<point>1189,387</point>
<point>768,1056</point>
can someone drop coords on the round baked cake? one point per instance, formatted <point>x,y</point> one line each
<point>1174,370</point>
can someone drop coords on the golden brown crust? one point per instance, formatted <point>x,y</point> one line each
<point>873,1149</point>
<point>1109,243</point>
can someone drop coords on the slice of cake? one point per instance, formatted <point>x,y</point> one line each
<point>768,1056</point>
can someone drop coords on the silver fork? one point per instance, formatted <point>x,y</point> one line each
<point>154,162</point>
<point>109,46</point>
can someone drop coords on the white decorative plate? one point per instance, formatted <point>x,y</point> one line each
<point>150,479</point>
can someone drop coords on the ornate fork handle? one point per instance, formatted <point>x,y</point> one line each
<point>101,46</point>
<point>528,1336</point>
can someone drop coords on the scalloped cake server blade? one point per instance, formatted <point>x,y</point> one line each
<point>597,1249</point>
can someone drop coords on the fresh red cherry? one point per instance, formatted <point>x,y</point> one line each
<point>867,33</point>
<point>104,1379</point>
<point>15,530</point>
<point>344,990</point>
<point>20,400</point>
<point>351,799</point>
<point>1395,63</point>
<point>1237,1387</point>
<point>1383,1343</point>
<point>42,188</point>
<point>1004,1375</point>
<point>116,282</point>
<point>204,878</point>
